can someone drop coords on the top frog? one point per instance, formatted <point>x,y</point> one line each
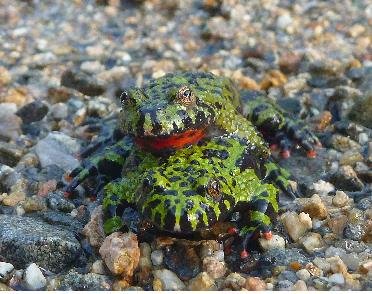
<point>180,109</point>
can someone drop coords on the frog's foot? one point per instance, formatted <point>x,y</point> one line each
<point>77,176</point>
<point>250,233</point>
<point>280,178</point>
<point>295,135</point>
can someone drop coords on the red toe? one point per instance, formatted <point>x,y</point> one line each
<point>285,153</point>
<point>244,254</point>
<point>311,153</point>
<point>267,235</point>
<point>232,230</point>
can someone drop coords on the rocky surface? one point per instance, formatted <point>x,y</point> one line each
<point>63,65</point>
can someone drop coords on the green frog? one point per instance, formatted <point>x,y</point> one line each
<point>180,116</point>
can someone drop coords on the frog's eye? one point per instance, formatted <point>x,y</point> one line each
<point>214,189</point>
<point>124,97</point>
<point>185,96</point>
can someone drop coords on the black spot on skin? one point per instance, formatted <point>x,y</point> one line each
<point>170,219</point>
<point>257,111</point>
<point>194,162</point>
<point>189,193</point>
<point>233,182</point>
<point>170,192</point>
<point>187,121</point>
<point>174,179</point>
<point>200,117</point>
<point>114,198</point>
<point>184,184</point>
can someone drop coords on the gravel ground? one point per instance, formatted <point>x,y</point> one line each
<point>62,67</point>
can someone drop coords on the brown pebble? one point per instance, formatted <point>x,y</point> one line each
<point>255,284</point>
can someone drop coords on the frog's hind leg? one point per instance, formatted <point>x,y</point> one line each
<point>280,178</point>
<point>106,165</point>
<point>261,206</point>
<point>277,127</point>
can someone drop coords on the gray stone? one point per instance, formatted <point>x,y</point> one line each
<point>10,124</point>
<point>74,281</point>
<point>24,240</point>
<point>157,257</point>
<point>59,149</point>
<point>169,280</point>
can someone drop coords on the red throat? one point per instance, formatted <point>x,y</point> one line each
<point>176,141</point>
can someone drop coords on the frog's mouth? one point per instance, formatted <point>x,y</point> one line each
<point>175,141</point>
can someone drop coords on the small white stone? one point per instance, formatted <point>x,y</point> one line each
<point>169,280</point>
<point>311,242</point>
<point>34,278</point>
<point>5,270</point>
<point>337,278</point>
<point>157,257</point>
<point>284,21</point>
<point>363,138</point>
<point>98,267</point>
<point>92,66</point>
<point>275,242</point>
<point>323,188</point>
<point>303,274</point>
<point>340,199</point>
<point>59,111</point>
<point>220,255</point>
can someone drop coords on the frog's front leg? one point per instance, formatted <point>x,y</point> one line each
<point>106,165</point>
<point>279,177</point>
<point>277,128</point>
<point>259,221</point>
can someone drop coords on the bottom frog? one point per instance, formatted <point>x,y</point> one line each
<point>196,187</point>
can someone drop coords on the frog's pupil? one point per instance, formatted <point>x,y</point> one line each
<point>124,97</point>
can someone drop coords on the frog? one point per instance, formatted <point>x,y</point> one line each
<point>196,187</point>
<point>180,109</point>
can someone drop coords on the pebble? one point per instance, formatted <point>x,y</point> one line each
<point>215,269</point>
<point>10,124</point>
<point>98,267</point>
<point>337,224</point>
<point>255,284</point>
<point>315,208</point>
<point>14,198</point>
<point>157,257</point>
<point>361,111</point>
<point>284,285</point>
<point>340,199</point>
<point>300,285</point>
<point>275,242</point>
<point>343,144</point>
<point>34,111</point>
<point>187,265</point>
<point>59,149</point>
<point>312,242</point>
<point>234,281</point>
<point>303,274</point>
<point>296,225</point>
<point>351,157</point>
<point>337,265</point>
<point>202,282</point>
<point>5,76</point>
<point>337,279</point>
<point>5,271</point>
<point>121,253</point>
<point>59,111</point>
<point>169,280</point>
<point>82,82</point>
<point>34,278</point>
<point>10,154</point>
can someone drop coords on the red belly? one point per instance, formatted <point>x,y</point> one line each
<point>175,141</point>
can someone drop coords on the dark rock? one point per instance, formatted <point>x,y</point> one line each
<point>82,82</point>
<point>284,285</point>
<point>34,111</point>
<point>361,111</point>
<point>10,154</point>
<point>346,179</point>
<point>354,231</point>
<point>365,203</point>
<point>24,240</point>
<point>182,260</point>
<point>56,201</point>
<point>288,275</point>
<point>74,281</point>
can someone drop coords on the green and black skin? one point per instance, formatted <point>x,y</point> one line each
<point>176,111</point>
<point>196,187</point>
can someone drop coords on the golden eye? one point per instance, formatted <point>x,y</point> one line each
<point>214,189</point>
<point>124,97</point>
<point>185,96</point>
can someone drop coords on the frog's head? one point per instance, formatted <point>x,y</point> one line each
<point>170,112</point>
